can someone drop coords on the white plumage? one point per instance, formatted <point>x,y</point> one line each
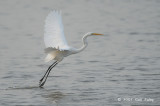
<point>54,34</point>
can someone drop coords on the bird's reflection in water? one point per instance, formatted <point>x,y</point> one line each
<point>54,97</point>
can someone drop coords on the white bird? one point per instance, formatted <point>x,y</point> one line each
<point>56,44</point>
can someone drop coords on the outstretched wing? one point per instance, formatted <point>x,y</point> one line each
<point>54,34</point>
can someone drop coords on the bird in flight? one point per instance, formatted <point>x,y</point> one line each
<point>56,44</point>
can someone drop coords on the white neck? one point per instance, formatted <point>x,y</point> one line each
<point>85,43</point>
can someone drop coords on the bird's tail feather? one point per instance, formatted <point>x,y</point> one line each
<point>49,57</point>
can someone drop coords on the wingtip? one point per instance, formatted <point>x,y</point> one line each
<point>56,11</point>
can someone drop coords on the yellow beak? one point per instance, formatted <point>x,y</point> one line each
<point>96,34</point>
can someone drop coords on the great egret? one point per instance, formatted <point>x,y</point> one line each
<point>55,42</point>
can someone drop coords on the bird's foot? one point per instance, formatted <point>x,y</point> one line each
<point>41,84</point>
<point>40,80</point>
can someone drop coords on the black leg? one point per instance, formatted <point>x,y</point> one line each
<point>42,82</point>
<point>46,72</point>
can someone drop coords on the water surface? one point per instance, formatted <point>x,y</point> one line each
<point>117,69</point>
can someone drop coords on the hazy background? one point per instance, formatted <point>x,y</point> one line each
<point>124,63</point>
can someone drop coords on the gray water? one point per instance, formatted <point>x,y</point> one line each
<point>121,68</point>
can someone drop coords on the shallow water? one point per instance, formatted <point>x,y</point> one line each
<point>121,68</point>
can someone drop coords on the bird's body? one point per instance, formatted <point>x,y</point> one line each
<point>55,42</point>
<point>56,54</point>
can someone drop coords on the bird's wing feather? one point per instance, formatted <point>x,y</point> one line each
<point>54,34</point>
